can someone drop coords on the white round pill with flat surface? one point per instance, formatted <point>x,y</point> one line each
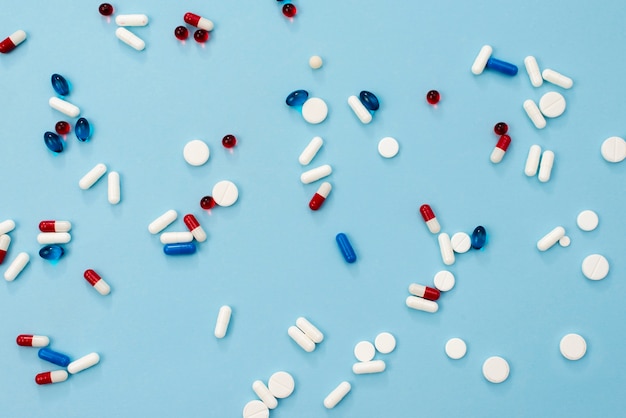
<point>587,220</point>
<point>364,351</point>
<point>595,267</point>
<point>444,280</point>
<point>565,241</point>
<point>613,149</point>
<point>256,409</point>
<point>225,193</point>
<point>385,343</point>
<point>388,147</point>
<point>456,348</point>
<point>552,104</point>
<point>496,369</point>
<point>281,384</point>
<point>315,62</point>
<point>461,242</point>
<point>573,346</point>
<point>314,110</point>
<point>196,152</point>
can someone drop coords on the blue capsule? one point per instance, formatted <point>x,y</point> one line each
<point>501,66</point>
<point>346,248</point>
<point>297,98</point>
<point>53,142</point>
<point>51,252</point>
<point>60,85</point>
<point>179,249</point>
<point>479,237</point>
<point>82,129</point>
<point>369,100</point>
<point>54,357</point>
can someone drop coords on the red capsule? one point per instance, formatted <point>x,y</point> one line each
<point>194,226</point>
<point>500,149</point>
<point>28,340</point>
<point>5,241</point>
<point>9,44</point>
<point>55,226</point>
<point>97,282</point>
<point>198,21</point>
<point>319,198</point>
<point>431,220</point>
<point>46,378</point>
<point>424,291</point>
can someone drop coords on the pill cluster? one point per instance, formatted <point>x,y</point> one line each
<point>20,261</point>
<point>364,106</point>
<point>52,234</point>
<point>313,109</point>
<point>305,334</point>
<point>124,21</point>
<point>365,351</point>
<point>204,27</point>
<point>178,243</point>
<point>279,386</point>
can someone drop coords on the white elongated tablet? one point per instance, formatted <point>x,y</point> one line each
<point>54,238</point>
<point>131,20</point>
<point>130,39</point>
<point>225,193</point>
<point>256,409</point>
<point>551,238</point>
<point>7,226</point>
<point>301,339</point>
<point>314,110</point>
<point>64,107</point>
<point>587,220</point>
<point>552,104</point>
<point>613,149</point>
<point>444,280</point>
<point>368,367</point>
<point>573,347</point>
<point>532,161</point>
<point>534,114</point>
<point>281,384</point>
<point>92,176</point>
<point>176,237</point>
<point>17,265</point>
<point>456,348</point>
<point>114,193</point>
<point>196,152</point>
<point>445,246</point>
<point>595,267</point>
<point>264,394</point>
<point>359,110</point>
<point>364,351</point>
<point>481,60</point>
<point>83,363</point>
<point>316,174</point>
<point>223,319</point>
<point>461,242</point>
<point>309,330</point>
<point>556,78</point>
<point>388,147</point>
<point>337,395</point>
<point>160,223</point>
<point>421,304</point>
<point>385,343</point>
<point>545,166</point>
<point>311,150</point>
<point>496,369</point>
<point>532,68</point>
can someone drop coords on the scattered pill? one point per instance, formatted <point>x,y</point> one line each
<point>131,20</point>
<point>179,248</point>
<point>46,378</point>
<point>444,281</point>
<point>433,97</point>
<point>545,167</point>
<point>225,193</point>
<point>345,247</point>
<point>556,78</point>
<point>551,238</point>
<point>16,267</point>
<point>13,40</point>
<point>587,220</point>
<point>83,363</point>
<point>500,128</point>
<point>388,147</point>
<point>369,100</point>
<point>97,282</point>
<point>194,227</point>
<point>297,98</point>
<point>573,347</point>
<point>130,39</point>
<point>162,222</point>
<point>431,220</point>
<point>28,340</point>
<point>105,9</point>
<point>92,176</point>
<point>201,36</point>
<point>595,267</point>
<point>264,394</point>
<point>320,196</point>
<point>501,66</point>
<point>281,384</point>
<point>424,291</point>
<point>82,129</point>
<point>55,226</point>
<point>315,62</point>
<point>369,367</point>
<point>314,110</point>
<point>445,246</point>
<point>181,33</point>
<point>534,114</point>
<point>301,339</point>
<point>359,110</point>
<point>532,161</point>
<point>7,226</point>
<point>456,348</point>
<point>480,62</point>
<point>256,409</point>
<point>461,242</point>
<point>223,319</point>
<point>552,104</point>
<point>337,395</point>
<point>207,202</point>
<point>364,351</point>
<point>114,188</point>
<point>54,238</point>
<point>532,68</point>
<point>196,152</point>
<point>60,84</point>
<point>51,252</point>
<point>53,142</point>
<point>198,21</point>
<point>311,150</point>
<point>496,369</point>
<point>500,149</point>
<point>385,343</point>
<point>64,107</point>
<point>316,174</point>
<point>613,149</point>
<point>54,357</point>
<point>289,10</point>
<point>5,241</point>
<point>62,127</point>
<point>176,237</point>
<point>422,304</point>
<point>565,241</point>
<point>229,141</point>
<point>309,330</point>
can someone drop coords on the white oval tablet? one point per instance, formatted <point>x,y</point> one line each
<point>565,241</point>
<point>573,346</point>
<point>552,104</point>
<point>595,267</point>
<point>314,110</point>
<point>496,369</point>
<point>613,149</point>
<point>385,343</point>
<point>461,242</point>
<point>587,220</point>
<point>256,409</point>
<point>456,348</point>
<point>225,193</point>
<point>444,280</point>
<point>364,351</point>
<point>315,62</point>
<point>388,147</point>
<point>196,152</point>
<point>281,384</point>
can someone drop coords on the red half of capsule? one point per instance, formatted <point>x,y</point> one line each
<point>191,222</point>
<point>431,294</point>
<point>191,19</point>
<point>427,213</point>
<point>504,142</point>
<point>3,254</point>
<point>24,340</point>
<point>92,277</point>
<point>44,378</point>
<point>47,226</point>
<point>316,201</point>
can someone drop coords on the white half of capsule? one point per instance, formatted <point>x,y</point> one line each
<point>532,161</point>
<point>310,330</point>
<point>83,363</point>
<point>421,304</point>
<point>534,114</point>
<point>496,155</point>
<point>5,241</point>
<point>58,376</point>
<point>556,78</point>
<point>433,225</point>
<point>205,24</point>
<point>114,188</point>
<point>40,341</point>
<point>532,68</point>
<point>301,339</point>
<point>7,226</point>
<point>316,174</point>
<point>64,107</point>
<point>545,167</point>
<point>264,394</point>
<point>176,237</point>
<point>445,246</point>
<point>130,39</point>
<point>368,367</point>
<point>337,395</point>
<point>131,20</point>
<point>16,267</point>
<point>102,287</point>
<point>162,222</point>
<point>481,60</point>
<point>199,234</point>
<point>359,110</point>
<point>311,150</point>
<point>62,226</point>
<point>324,189</point>
<point>92,176</point>
<point>551,238</point>
<point>223,319</point>
<point>18,37</point>
<point>54,237</point>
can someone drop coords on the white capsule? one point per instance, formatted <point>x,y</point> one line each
<point>337,395</point>
<point>532,161</point>
<point>420,304</point>
<point>368,367</point>
<point>559,79</point>
<point>64,107</point>
<point>311,150</point>
<point>301,339</point>
<point>481,59</point>
<point>223,319</point>
<point>264,394</point>
<point>176,237</point>
<point>309,330</point>
<point>532,68</point>
<point>359,110</point>
<point>16,267</point>
<point>130,39</point>
<point>551,238</point>
<point>445,246</point>
<point>160,223</point>
<point>83,363</point>
<point>7,226</point>
<point>114,188</point>
<point>92,176</point>
<point>132,20</point>
<point>316,174</point>
<point>545,167</point>
<point>534,114</point>
<point>54,238</point>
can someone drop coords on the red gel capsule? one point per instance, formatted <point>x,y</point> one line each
<point>181,33</point>
<point>207,202</point>
<point>229,141</point>
<point>289,10</point>
<point>424,291</point>
<point>105,9</point>
<point>431,220</point>
<point>433,97</point>
<point>319,198</point>
<point>201,36</point>
<point>62,128</point>
<point>501,128</point>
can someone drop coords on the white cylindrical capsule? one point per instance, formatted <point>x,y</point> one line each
<point>551,238</point>
<point>176,237</point>
<point>301,339</point>
<point>97,282</point>
<point>92,176</point>
<point>534,114</point>
<point>368,367</point>
<point>16,267</point>
<point>559,79</point>
<point>359,110</point>
<point>337,395</point>
<point>532,68</point>
<point>421,304</point>
<point>264,394</point>
<point>54,238</point>
<point>64,107</point>
<point>500,149</point>
<point>114,188</point>
<point>130,39</point>
<point>83,363</point>
<point>7,226</point>
<point>223,319</point>
<point>445,246</point>
<point>198,21</point>
<point>320,196</point>
<point>545,167</point>
<point>311,150</point>
<point>5,241</point>
<point>160,223</point>
<point>131,20</point>
<point>55,226</point>
<point>29,340</point>
<point>12,41</point>
<point>47,378</point>
<point>481,60</point>
<point>532,161</point>
<point>316,174</point>
<point>309,330</point>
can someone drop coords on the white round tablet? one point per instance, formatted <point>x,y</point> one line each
<point>385,343</point>
<point>613,149</point>
<point>461,242</point>
<point>587,220</point>
<point>388,147</point>
<point>256,409</point>
<point>552,104</point>
<point>573,346</point>
<point>196,152</point>
<point>314,110</point>
<point>565,241</point>
<point>444,280</point>
<point>456,348</point>
<point>364,351</point>
<point>281,384</point>
<point>225,193</point>
<point>595,267</point>
<point>315,62</point>
<point>496,369</point>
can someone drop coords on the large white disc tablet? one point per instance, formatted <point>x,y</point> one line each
<point>552,104</point>
<point>281,384</point>
<point>444,280</point>
<point>225,193</point>
<point>314,110</point>
<point>364,351</point>
<point>385,343</point>
<point>587,220</point>
<point>456,348</point>
<point>595,267</point>
<point>573,347</point>
<point>256,409</point>
<point>388,147</point>
<point>461,242</point>
<point>196,152</point>
<point>613,149</point>
<point>496,369</point>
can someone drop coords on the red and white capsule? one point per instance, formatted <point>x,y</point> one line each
<point>424,291</point>
<point>97,282</point>
<point>55,226</point>
<point>46,378</point>
<point>28,340</point>
<point>194,227</point>
<point>500,149</point>
<point>431,220</point>
<point>9,44</point>
<point>320,196</point>
<point>198,21</point>
<point>5,240</point>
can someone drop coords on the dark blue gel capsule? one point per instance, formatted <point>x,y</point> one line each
<point>502,66</point>
<point>179,249</point>
<point>53,142</point>
<point>346,248</point>
<point>369,100</point>
<point>60,85</point>
<point>297,98</point>
<point>82,129</point>
<point>479,237</point>
<point>51,252</point>
<point>54,357</point>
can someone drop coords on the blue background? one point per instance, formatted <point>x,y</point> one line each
<point>269,256</point>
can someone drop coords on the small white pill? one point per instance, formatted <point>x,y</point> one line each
<point>225,193</point>
<point>385,342</point>
<point>316,174</point>
<point>481,59</point>
<point>565,241</point>
<point>461,242</point>
<point>54,238</point>
<point>309,330</point>
<point>613,149</point>
<point>545,166</point>
<point>456,348</point>
<point>314,110</point>
<point>532,161</point>
<point>64,107</point>
<point>445,246</point>
<point>92,176</point>
<point>316,62</point>
<point>556,78</point>
<point>388,147</point>
<point>7,226</point>
<point>301,339</point>
<point>223,319</point>
<point>337,395</point>
<point>311,150</point>
<point>264,394</point>
<point>534,114</point>
<point>160,223</point>
<point>196,152</point>
<point>364,351</point>
<point>176,237</point>
<point>130,39</point>
<point>595,267</point>
<point>17,265</point>
<point>573,347</point>
<point>131,20</point>
<point>532,68</point>
<point>444,280</point>
<point>552,104</point>
<point>587,220</point>
<point>496,369</point>
<point>551,238</point>
<point>369,367</point>
<point>359,110</point>
<point>281,384</point>
<point>114,188</point>
<point>256,409</point>
<point>83,363</point>
<point>421,304</point>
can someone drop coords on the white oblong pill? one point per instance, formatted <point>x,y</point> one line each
<point>421,304</point>
<point>534,114</point>
<point>337,395</point>
<point>223,319</point>
<point>196,152</point>
<point>130,39</point>
<point>557,78</point>
<point>225,193</point>
<point>532,161</point>
<point>461,242</point>
<point>388,147</point>
<point>64,107</point>
<point>445,246</point>
<point>613,149</point>
<point>176,237</point>
<point>255,409</point>
<point>359,110</point>
<point>595,267</point>
<point>301,339</point>
<point>16,267</point>
<point>114,188</point>
<point>444,280</point>
<point>573,347</point>
<point>311,150</point>
<point>551,238</point>
<point>83,363</point>
<point>281,384</point>
<point>496,369</point>
<point>545,166</point>
<point>481,60</point>
<point>456,348</point>
<point>532,68</point>
<point>7,226</point>
<point>587,220</point>
<point>552,104</point>
<point>309,330</point>
<point>364,351</point>
<point>316,174</point>
<point>385,343</point>
<point>368,367</point>
<point>92,176</point>
<point>264,394</point>
<point>54,238</point>
<point>314,110</point>
<point>160,223</point>
<point>131,20</point>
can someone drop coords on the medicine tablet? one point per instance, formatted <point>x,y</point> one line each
<point>461,242</point>
<point>444,280</point>
<point>595,267</point>
<point>496,369</point>
<point>162,222</point>
<point>315,62</point>
<point>587,220</point>
<point>225,193</point>
<point>456,348</point>
<point>565,241</point>
<point>388,147</point>
<point>532,68</point>
<point>534,114</point>
<point>369,367</point>
<point>281,384</point>
<point>264,394</point>
<point>556,78</point>
<point>573,347</point>
<point>256,409</point>
<point>196,152</point>
<point>301,338</point>
<point>309,330</point>
<point>552,104</point>
<point>385,343</point>
<point>532,161</point>
<point>311,150</point>
<point>337,395</point>
<point>613,149</point>
<point>364,351</point>
<point>314,110</point>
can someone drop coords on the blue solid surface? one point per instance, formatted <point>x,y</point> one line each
<point>269,256</point>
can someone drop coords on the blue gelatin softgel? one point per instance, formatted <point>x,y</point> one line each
<point>479,237</point>
<point>297,98</point>
<point>82,129</point>
<point>53,142</point>
<point>51,252</point>
<point>369,100</point>
<point>60,85</point>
